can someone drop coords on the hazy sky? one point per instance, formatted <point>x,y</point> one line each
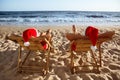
<point>40,5</point>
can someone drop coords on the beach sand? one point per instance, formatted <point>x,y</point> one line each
<point>59,59</point>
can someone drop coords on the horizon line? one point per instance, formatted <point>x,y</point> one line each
<point>55,10</point>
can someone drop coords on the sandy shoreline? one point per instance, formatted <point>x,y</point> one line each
<point>60,57</point>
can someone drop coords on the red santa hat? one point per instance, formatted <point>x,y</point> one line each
<point>27,34</point>
<point>92,33</point>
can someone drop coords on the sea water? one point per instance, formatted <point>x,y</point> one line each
<point>37,18</point>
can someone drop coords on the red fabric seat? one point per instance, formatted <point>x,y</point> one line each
<point>44,44</point>
<point>73,46</point>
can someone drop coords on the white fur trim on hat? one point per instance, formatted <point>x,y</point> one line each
<point>26,43</point>
<point>93,48</point>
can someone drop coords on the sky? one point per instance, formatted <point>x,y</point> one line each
<point>60,5</point>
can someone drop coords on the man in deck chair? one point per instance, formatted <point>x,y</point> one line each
<point>91,32</point>
<point>33,32</point>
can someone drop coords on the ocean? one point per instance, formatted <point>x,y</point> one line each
<point>37,18</point>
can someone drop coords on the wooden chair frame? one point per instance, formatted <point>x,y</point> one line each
<point>34,46</point>
<point>83,45</point>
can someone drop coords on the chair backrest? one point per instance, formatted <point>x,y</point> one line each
<point>83,43</point>
<point>34,42</point>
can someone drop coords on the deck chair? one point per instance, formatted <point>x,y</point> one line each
<point>34,46</point>
<point>82,47</point>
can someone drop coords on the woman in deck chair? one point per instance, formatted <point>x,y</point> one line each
<point>33,33</point>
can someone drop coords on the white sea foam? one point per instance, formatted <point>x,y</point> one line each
<point>59,17</point>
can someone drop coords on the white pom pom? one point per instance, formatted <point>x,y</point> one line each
<point>26,43</point>
<point>93,48</point>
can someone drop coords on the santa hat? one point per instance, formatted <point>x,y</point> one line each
<point>27,34</point>
<point>92,33</point>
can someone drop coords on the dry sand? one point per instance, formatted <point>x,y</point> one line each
<point>59,59</point>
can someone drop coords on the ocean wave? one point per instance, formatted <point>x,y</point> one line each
<point>59,17</point>
<point>96,16</point>
<point>118,16</point>
<point>28,16</point>
<point>58,20</point>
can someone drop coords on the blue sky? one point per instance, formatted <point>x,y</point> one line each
<point>73,5</point>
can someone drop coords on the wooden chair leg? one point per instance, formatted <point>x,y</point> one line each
<point>47,61</point>
<point>72,63</point>
<point>100,56</point>
<point>19,58</point>
<point>94,59</point>
<point>26,57</point>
